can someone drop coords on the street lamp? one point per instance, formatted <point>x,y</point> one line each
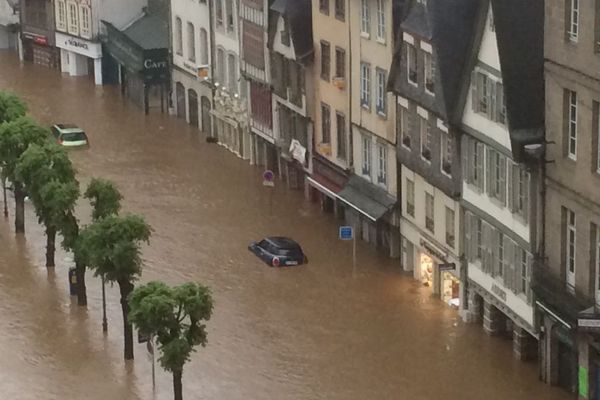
<point>104,322</point>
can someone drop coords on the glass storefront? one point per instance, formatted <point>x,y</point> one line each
<point>426,265</point>
<point>450,289</point>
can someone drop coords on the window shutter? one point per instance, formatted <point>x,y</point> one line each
<point>489,172</point>
<point>509,279</point>
<point>475,91</point>
<point>474,244</point>
<point>503,179</point>
<point>491,110</point>
<point>526,205</point>
<point>480,169</point>
<point>488,248</point>
<point>512,186</point>
<point>468,249</point>
<point>465,158</point>
<point>499,101</point>
<point>528,286</point>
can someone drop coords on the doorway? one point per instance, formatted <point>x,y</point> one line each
<point>180,100</point>
<point>206,122</point>
<point>193,107</point>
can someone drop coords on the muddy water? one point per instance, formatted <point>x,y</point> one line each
<point>319,331</point>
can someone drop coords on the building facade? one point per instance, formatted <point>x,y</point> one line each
<point>230,114</point>
<point>37,33</point>
<point>567,283</point>
<point>502,126</point>
<point>291,54</point>
<point>191,67</point>
<point>433,44</point>
<point>9,23</point>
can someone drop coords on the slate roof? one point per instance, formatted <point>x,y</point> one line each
<point>149,32</point>
<point>449,26</point>
<point>520,34</point>
<point>298,14</point>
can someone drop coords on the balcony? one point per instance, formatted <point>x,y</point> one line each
<point>553,293</point>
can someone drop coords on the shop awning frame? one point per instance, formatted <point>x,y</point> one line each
<point>321,187</point>
<point>376,202</point>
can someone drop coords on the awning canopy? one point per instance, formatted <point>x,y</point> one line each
<point>370,200</point>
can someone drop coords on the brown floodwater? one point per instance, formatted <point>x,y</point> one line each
<point>320,331</point>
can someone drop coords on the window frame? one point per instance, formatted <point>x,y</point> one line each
<point>380,92</point>
<point>450,233</point>
<point>382,164</point>
<point>381,21</point>
<point>446,153</point>
<point>72,18</point>
<point>365,19</point>
<point>365,85</point>
<point>340,9</point>
<point>429,73</point>
<point>85,22</point>
<point>324,6</point>
<point>429,212</point>
<point>340,63</point>
<point>340,130</point>
<point>411,58</point>
<point>425,133</point>
<point>179,36</point>
<point>572,125</point>
<point>61,15</point>
<point>403,126</point>
<point>191,41</point>
<point>573,21</point>
<point>366,156</point>
<point>325,123</point>
<point>325,60</point>
<point>410,197</point>
<point>571,248</point>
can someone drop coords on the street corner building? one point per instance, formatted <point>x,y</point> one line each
<point>137,56</point>
<point>37,44</point>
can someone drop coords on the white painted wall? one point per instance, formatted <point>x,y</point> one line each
<point>440,202</point>
<point>357,147</point>
<point>517,303</point>
<point>488,53</point>
<point>229,41</point>
<point>198,14</point>
<point>496,210</point>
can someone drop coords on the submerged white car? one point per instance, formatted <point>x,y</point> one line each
<point>70,135</point>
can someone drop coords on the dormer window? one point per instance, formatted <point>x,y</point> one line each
<point>285,34</point>
<point>411,63</point>
<point>488,97</point>
<point>429,72</point>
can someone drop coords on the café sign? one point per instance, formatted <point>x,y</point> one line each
<point>156,65</point>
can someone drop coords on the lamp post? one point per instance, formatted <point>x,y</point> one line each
<point>104,322</point>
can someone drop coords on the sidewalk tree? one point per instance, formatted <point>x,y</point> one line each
<point>112,246</point>
<point>11,107</point>
<point>49,178</point>
<point>176,316</point>
<point>15,137</point>
<point>72,242</point>
<point>104,197</point>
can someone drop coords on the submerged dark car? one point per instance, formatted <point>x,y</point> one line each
<point>278,251</point>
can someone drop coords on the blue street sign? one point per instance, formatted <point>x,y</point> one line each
<point>346,233</point>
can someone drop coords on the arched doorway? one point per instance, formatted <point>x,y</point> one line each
<point>193,107</point>
<point>180,99</point>
<point>206,125</point>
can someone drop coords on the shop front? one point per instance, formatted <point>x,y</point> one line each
<point>142,66</point>
<point>39,50</point>
<point>230,123</point>
<point>325,183</point>
<point>80,57</point>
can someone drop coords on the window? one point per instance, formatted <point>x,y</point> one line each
<point>450,227</point>
<point>411,63</point>
<point>429,72</point>
<point>483,92</point>
<point>571,243</point>
<point>340,63</point>
<point>365,17</point>
<point>425,130</point>
<point>573,21</point>
<point>178,36</point>
<point>473,159</point>
<point>488,97</point>
<point>73,22</point>
<point>429,221</point>
<point>380,20</point>
<point>524,273</point>
<point>500,253</point>
<point>572,125</point>
<point>232,68</point>
<point>203,47</point>
<point>229,20</point>
<point>519,191</point>
<point>191,42</point>
<point>380,101</point>
<point>410,197</point>
<point>366,155</point>
<point>221,71</point>
<point>85,25</point>
<point>340,125</point>
<point>365,85</point>
<point>480,244</point>
<point>285,33</point>
<point>325,60</point>
<point>219,12</point>
<point>324,6</point>
<point>325,123</point>
<point>382,163</point>
<point>340,9</point>
<point>403,126</point>
<point>497,175</point>
<point>61,15</point>
<point>446,155</point>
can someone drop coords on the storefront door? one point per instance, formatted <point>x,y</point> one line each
<point>206,123</point>
<point>180,99</point>
<point>426,267</point>
<point>566,367</point>
<point>193,107</point>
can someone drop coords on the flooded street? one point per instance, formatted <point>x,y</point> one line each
<point>319,331</point>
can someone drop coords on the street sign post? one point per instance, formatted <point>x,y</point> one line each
<point>347,233</point>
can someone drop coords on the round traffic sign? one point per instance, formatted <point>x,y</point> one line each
<point>268,175</point>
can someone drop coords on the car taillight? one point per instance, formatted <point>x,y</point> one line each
<point>276,261</point>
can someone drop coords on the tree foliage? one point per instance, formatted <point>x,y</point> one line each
<point>11,107</point>
<point>104,197</point>
<point>15,138</point>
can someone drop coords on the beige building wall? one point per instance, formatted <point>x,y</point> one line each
<point>327,27</point>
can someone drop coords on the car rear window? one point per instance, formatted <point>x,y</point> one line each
<point>296,253</point>
<point>74,137</point>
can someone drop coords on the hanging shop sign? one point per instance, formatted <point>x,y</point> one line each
<point>37,39</point>
<point>156,65</point>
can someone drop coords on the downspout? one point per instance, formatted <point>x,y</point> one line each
<point>349,63</point>
<point>212,62</point>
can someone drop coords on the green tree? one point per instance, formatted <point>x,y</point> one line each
<point>176,316</point>
<point>104,197</point>
<point>15,137</point>
<point>112,247</point>
<point>72,242</point>
<point>11,106</point>
<point>43,169</point>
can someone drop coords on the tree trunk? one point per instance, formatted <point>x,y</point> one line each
<point>126,288</point>
<point>51,246</point>
<point>19,208</point>
<point>81,290</point>
<point>177,385</point>
<point>4,195</point>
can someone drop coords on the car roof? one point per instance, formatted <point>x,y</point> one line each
<point>64,128</point>
<point>283,242</point>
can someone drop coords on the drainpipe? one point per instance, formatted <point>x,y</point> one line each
<point>349,63</point>
<point>211,26</point>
